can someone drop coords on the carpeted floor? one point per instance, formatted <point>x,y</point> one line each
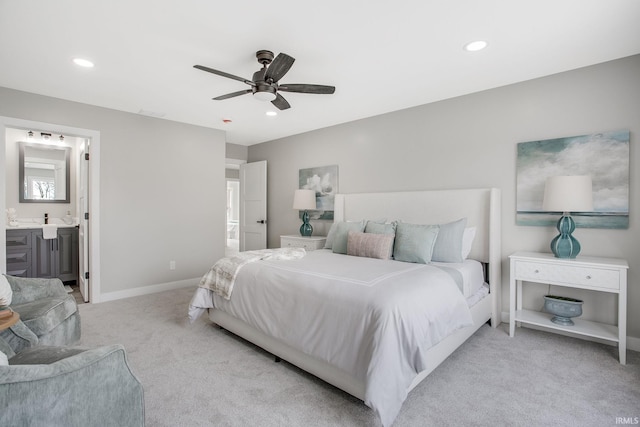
<point>200,375</point>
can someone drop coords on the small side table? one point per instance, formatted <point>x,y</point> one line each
<point>596,274</point>
<point>9,321</point>
<point>309,243</point>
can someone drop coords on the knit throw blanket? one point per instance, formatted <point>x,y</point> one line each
<point>222,276</point>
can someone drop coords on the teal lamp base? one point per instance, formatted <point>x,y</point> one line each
<point>564,245</point>
<point>305,229</point>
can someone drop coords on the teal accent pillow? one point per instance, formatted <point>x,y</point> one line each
<point>448,247</point>
<point>380,228</point>
<point>414,242</point>
<point>341,235</point>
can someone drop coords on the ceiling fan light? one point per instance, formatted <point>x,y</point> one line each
<point>264,96</point>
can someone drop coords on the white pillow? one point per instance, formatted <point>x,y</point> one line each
<point>3,359</point>
<point>467,241</point>
<point>6,294</point>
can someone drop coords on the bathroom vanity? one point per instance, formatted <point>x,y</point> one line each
<point>30,255</point>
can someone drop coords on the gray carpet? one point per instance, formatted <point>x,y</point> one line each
<point>199,375</point>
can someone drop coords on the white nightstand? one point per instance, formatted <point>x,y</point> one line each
<point>596,274</point>
<point>310,243</point>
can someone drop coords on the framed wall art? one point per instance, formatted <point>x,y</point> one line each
<point>324,181</point>
<point>604,156</point>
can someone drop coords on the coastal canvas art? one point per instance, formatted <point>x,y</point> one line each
<point>604,156</point>
<point>324,181</point>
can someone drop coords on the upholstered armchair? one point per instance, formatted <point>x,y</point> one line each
<point>67,386</point>
<point>48,314</point>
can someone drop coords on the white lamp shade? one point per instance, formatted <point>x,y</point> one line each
<point>304,200</point>
<point>568,194</point>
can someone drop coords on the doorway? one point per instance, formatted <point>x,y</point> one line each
<point>75,137</point>
<point>233,217</point>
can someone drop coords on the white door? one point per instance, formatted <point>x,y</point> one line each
<point>83,227</point>
<point>253,206</point>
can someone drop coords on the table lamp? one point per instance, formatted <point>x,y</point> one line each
<point>303,200</point>
<point>567,194</point>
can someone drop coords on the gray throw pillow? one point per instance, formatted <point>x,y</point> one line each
<point>448,247</point>
<point>341,234</point>
<point>414,242</point>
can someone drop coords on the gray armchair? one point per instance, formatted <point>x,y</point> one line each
<point>67,386</point>
<point>48,315</point>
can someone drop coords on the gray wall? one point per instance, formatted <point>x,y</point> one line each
<point>161,184</point>
<point>470,141</point>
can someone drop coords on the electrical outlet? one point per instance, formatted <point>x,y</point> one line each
<point>172,265</point>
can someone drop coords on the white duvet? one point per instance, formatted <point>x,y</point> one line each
<point>372,318</point>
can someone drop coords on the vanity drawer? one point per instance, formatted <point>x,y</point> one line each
<point>18,239</point>
<point>567,274</point>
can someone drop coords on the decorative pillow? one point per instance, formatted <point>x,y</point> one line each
<point>6,294</point>
<point>467,241</point>
<point>380,228</point>
<point>370,245</point>
<point>4,361</point>
<point>414,242</point>
<point>448,247</point>
<point>328,244</point>
<point>340,237</point>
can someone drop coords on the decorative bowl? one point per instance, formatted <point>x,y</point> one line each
<point>563,309</point>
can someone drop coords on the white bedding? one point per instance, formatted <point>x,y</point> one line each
<point>469,275</point>
<point>374,319</point>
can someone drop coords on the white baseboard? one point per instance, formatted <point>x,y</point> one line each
<point>633,343</point>
<point>151,289</point>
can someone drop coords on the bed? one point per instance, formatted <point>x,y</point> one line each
<point>322,286</point>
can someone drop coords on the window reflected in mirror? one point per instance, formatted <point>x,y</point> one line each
<point>44,173</point>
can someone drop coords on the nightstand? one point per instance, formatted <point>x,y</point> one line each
<point>596,274</point>
<point>310,243</point>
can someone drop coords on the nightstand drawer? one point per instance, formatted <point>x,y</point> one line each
<point>308,243</point>
<point>570,275</point>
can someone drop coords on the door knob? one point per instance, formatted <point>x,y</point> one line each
<point>262,221</point>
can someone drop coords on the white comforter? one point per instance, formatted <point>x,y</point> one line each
<point>372,318</point>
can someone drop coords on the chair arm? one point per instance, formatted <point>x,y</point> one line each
<point>89,388</point>
<point>27,289</point>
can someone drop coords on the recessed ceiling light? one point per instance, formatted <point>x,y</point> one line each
<point>83,62</point>
<point>271,113</point>
<point>475,46</point>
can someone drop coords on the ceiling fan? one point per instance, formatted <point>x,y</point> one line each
<point>264,84</point>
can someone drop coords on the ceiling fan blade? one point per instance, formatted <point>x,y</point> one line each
<point>305,88</point>
<point>223,74</point>
<point>279,67</point>
<point>232,95</point>
<point>280,102</point>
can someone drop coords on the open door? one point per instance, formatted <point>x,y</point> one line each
<point>253,206</point>
<point>83,224</point>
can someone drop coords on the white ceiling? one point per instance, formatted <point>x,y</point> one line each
<point>382,56</point>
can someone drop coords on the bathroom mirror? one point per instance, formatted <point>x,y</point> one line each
<point>43,173</point>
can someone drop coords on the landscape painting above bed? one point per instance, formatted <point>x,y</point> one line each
<point>604,156</point>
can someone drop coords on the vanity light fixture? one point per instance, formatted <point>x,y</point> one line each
<point>30,135</point>
<point>83,62</point>
<point>61,138</point>
<point>475,46</point>
<point>45,136</point>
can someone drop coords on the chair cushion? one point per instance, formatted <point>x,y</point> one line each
<point>42,316</point>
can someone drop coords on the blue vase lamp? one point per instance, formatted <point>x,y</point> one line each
<point>305,200</point>
<point>567,194</point>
